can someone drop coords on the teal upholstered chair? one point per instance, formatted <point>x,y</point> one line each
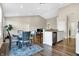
<point>24,39</point>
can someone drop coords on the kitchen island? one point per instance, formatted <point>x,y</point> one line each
<point>51,37</point>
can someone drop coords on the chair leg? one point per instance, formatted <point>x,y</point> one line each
<point>28,44</point>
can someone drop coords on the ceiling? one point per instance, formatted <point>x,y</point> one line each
<point>46,10</point>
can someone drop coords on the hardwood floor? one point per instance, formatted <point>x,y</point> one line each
<point>4,50</point>
<point>63,48</point>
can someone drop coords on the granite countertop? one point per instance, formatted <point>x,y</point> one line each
<point>54,30</point>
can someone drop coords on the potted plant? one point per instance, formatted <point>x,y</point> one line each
<point>8,29</point>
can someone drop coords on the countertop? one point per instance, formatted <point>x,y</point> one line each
<point>54,30</point>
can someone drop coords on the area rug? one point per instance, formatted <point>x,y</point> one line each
<point>25,51</point>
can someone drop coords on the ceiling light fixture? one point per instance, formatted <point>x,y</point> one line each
<point>38,8</point>
<point>42,3</point>
<point>21,6</point>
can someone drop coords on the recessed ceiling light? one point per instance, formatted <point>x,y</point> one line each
<point>42,3</point>
<point>38,8</point>
<point>21,6</point>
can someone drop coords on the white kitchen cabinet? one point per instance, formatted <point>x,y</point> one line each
<point>52,37</point>
<point>47,38</point>
<point>60,36</point>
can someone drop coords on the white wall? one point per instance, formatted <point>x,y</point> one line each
<point>72,12</point>
<point>1,36</point>
<point>27,23</point>
<point>0,22</point>
<point>52,23</point>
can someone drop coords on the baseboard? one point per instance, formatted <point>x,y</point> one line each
<point>69,38</point>
<point>59,41</point>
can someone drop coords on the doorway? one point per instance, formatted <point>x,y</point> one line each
<point>71,32</point>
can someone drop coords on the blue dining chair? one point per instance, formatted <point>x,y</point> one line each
<point>24,40</point>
